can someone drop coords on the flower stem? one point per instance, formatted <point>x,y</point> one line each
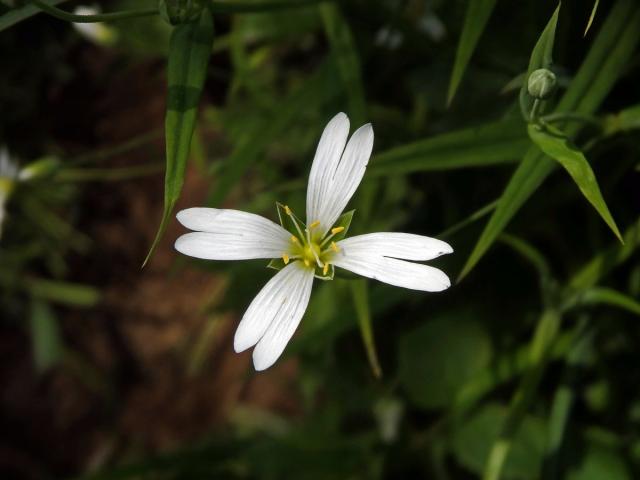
<point>102,17</point>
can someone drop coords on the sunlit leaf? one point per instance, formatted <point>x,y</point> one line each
<point>475,21</point>
<point>189,52</point>
<point>555,143</point>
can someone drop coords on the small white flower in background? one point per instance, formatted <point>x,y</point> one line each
<point>310,250</point>
<point>9,173</point>
<point>98,32</point>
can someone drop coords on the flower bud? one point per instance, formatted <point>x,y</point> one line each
<point>175,12</point>
<point>542,83</point>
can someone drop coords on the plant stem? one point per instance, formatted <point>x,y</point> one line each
<point>102,17</point>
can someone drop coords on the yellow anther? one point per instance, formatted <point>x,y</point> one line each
<point>335,247</point>
<point>325,269</point>
<point>337,230</point>
<point>294,239</point>
<point>285,258</point>
<point>315,224</point>
<point>287,210</point>
<point>307,263</point>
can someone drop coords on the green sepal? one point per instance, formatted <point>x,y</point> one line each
<point>276,264</point>
<point>286,221</point>
<point>343,221</point>
<point>329,275</point>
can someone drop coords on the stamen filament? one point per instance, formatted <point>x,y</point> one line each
<point>288,211</point>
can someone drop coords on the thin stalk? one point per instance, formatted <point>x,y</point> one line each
<point>101,17</point>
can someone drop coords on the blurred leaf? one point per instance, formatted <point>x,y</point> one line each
<point>489,144</point>
<point>606,61</point>
<point>475,21</point>
<point>45,336</point>
<point>313,93</point>
<point>473,439</point>
<point>605,261</point>
<point>438,358</point>
<point>541,57</point>
<point>189,52</point>
<point>599,463</point>
<point>360,294</point>
<point>591,17</point>
<point>63,292</point>
<point>623,121</point>
<point>344,49</point>
<point>555,143</point>
<point>529,253</point>
<point>19,14</point>
<point>259,6</point>
<point>609,296</point>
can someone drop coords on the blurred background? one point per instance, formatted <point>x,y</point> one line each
<point>526,368</point>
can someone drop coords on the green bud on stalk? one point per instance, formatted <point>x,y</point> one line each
<point>175,12</point>
<point>542,83</point>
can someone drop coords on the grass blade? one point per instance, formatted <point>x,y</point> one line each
<point>591,17</point>
<point>17,15</point>
<point>360,293</point>
<point>489,144</point>
<point>475,21</point>
<point>189,52</point>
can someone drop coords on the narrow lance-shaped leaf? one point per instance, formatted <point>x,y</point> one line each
<point>475,21</point>
<point>605,62</point>
<point>45,336</point>
<point>592,16</point>
<point>488,144</point>
<point>360,294</point>
<point>19,14</point>
<point>189,52</point>
<point>555,143</point>
<point>609,296</point>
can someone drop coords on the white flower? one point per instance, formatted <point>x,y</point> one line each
<point>315,249</point>
<point>97,32</point>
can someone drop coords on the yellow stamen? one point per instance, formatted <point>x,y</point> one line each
<point>325,269</point>
<point>315,224</point>
<point>335,247</point>
<point>294,239</point>
<point>285,258</point>
<point>306,262</point>
<point>337,230</point>
<point>287,210</point>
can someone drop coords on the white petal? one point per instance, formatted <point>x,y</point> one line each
<point>327,157</point>
<point>406,246</point>
<point>230,235</point>
<point>394,272</point>
<point>286,310</point>
<point>274,314</point>
<point>340,181</point>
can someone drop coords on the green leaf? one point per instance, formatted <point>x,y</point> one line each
<point>541,57</point>
<point>475,21</point>
<point>344,50</point>
<point>189,52</point>
<point>489,144</point>
<point>591,17</point>
<point>606,61</point>
<point>63,292</point>
<point>438,358</point>
<point>599,462</point>
<point>45,336</point>
<point>623,121</point>
<point>609,296</point>
<point>360,294</point>
<point>19,14</point>
<point>472,441</point>
<point>555,143</point>
<point>605,261</point>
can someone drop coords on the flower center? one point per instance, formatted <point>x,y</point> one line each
<point>312,248</point>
